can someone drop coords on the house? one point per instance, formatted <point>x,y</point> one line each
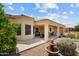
<point>29,28</point>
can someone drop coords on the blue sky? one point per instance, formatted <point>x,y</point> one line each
<point>64,13</point>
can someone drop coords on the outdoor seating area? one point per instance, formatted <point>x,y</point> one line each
<point>41,35</point>
<point>38,34</point>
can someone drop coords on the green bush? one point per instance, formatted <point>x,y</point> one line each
<point>70,35</point>
<point>7,34</point>
<point>66,46</point>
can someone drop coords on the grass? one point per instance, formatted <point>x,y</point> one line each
<point>74,35</point>
<point>70,35</point>
<point>77,35</point>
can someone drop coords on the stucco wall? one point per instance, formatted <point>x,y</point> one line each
<point>30,21</point>
<point>24,20</point>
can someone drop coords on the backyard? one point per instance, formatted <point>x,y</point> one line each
<point>40,51</point>
<point>61,45</point>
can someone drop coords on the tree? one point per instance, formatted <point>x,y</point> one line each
<point>7,34</point>
<point>76,28</point>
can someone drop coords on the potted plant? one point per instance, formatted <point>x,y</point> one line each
<point>52,49</point>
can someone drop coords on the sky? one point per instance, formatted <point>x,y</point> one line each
<point>64,13</point>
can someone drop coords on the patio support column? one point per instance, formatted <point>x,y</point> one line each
<point>63,30</point>
<point>46,29</point>
<point>58,31</point>
<point>32,31</point>
<point>23,30</point>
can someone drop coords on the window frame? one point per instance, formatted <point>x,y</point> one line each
<point>27,29</point>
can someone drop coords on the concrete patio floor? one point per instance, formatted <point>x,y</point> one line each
<point>23,45</point>
<point>27,44</point>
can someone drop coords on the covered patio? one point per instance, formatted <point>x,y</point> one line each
<point>47,28</point>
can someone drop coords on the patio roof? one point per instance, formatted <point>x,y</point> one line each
<point>49,21</point>
<point>18,16</point>
<point>41,21</point>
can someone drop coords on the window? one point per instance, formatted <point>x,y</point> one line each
<point>19,30</point>
<point>27,29</point>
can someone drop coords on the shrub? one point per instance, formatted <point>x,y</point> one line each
<point>7,34</point>
<point>77,33</point>
<point>66,46</point>
<point>70,35</point>
<point>76,27</point>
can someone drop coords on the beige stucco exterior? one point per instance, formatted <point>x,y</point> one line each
<point>23,20</point>
<point>43,26</point>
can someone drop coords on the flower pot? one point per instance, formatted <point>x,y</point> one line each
<point>51,43</point>
<point>52,53</point>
